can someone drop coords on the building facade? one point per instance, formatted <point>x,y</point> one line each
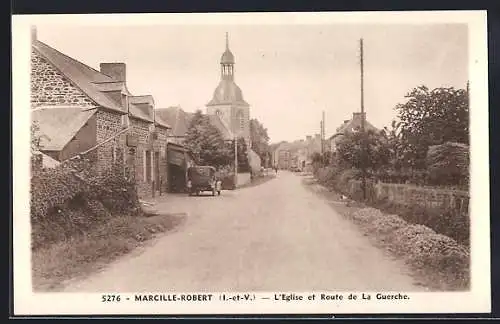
<point>83,111</point>
<point>349,126</point>
<point>227,102</point>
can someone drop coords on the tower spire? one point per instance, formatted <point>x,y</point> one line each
<point>227,40</point>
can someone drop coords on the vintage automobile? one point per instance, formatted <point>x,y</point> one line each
<point>202,178</point>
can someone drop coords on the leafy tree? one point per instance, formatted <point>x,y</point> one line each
<point>448,164</point>
<point>243,165</point>
<point>259,139</point>
<point>206,142</point>
<point>432,117</point>
<point>350,151</point>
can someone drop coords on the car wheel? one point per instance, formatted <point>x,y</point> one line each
<point>218,192</point>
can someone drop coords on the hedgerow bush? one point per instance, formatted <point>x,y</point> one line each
<point>442,219</point>
<point>419,245</point>
<point>72,198</point>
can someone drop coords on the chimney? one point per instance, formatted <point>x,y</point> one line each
<point>357,115</point>
<point>33,34</point>
<point>308,138</point>
<point>115,70</point>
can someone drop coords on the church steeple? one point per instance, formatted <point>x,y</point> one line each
<point>227,62</point>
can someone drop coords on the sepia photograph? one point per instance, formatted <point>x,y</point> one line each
<point>304,165</point>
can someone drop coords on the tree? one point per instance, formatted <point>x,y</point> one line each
<point>448,164</point>
<point>243,165</point>
<point>259,139</point>
<point>350,153</point>
<point>432,117</point>
<point>206,142</point>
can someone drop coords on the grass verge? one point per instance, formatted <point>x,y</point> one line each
<point>437,261</point>
<point>83,254</point>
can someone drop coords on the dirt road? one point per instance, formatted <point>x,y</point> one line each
<point>277,236</point>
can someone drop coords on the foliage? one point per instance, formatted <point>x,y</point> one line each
<point>448,164</point>
<point>243,165</point>
<point>350,151</point>
<point>72,198</point>
<point>206,142</point>
<point>259,139</point>
<point>422,247</point>
<point>432,117</point>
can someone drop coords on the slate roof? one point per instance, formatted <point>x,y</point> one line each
<point>217,122</point>
<point>81,75</point>
<point>227,93</point>
<point>354,122</point>
<point>177,118</point>
<point>60,124</point>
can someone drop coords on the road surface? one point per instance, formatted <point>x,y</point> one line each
<point>278,236</point>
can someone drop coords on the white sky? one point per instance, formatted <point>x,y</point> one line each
<point>288,74</point>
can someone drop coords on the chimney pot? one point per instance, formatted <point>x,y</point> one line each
<point>115,70</point>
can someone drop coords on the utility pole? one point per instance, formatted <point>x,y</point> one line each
<point>235,161</point>
<point>321,135</point>
<point>323,132</point>
<point>363,135</point>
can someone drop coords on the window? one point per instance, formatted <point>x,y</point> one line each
<point>113,153</point>
<point>218,113</point>
<point>241,119</point>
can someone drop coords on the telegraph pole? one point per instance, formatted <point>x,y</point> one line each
<point>363,135</point>
<point>323,132</point>
<point>235,161</point>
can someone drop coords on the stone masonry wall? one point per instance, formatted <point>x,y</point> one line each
<point>405,194</point>
<point>140,129</point>
<point>160,145</point>
<point>108,124</point>
<point>50,87</point>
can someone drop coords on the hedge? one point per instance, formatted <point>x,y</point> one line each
<point>72,198</point>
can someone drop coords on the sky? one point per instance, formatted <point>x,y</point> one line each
<point>289,74</point>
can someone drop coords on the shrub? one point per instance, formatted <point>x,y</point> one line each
<point>448,164</point>
<point>387,224</point>
<point>424,248</point>
<point>72,198</point>
<point>367,215</point>
<point>443,220</point>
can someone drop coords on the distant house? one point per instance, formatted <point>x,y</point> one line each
<point>297,153</point>
<point>80,110</point>
<point>349,126</point>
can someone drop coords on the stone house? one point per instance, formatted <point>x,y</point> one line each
<point>82,111</point>
<point>349,126</point>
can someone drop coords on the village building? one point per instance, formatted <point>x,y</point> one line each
<point>83,111</point>
<point>349,126</point>
<point>229,111</point>
<point>296,154</point>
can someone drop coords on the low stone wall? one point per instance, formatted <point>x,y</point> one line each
<point>426,197</point>
<point>243,179</point>
<point>406,194</point>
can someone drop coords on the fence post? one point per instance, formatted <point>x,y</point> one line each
<point>159,188</point>
<point>153,188</point>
